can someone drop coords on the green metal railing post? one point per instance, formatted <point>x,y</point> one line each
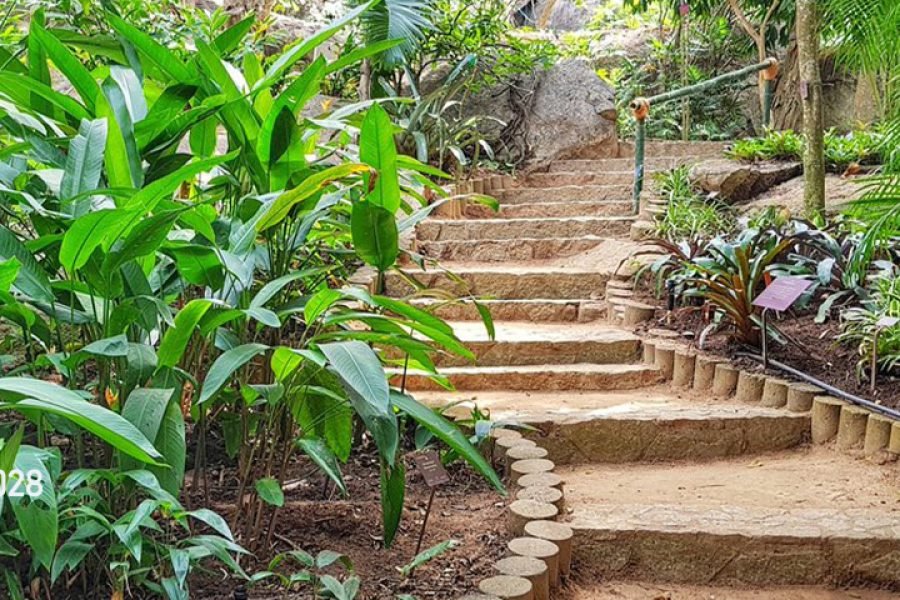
<point>640,108</point>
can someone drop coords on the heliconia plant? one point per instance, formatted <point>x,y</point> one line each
<point>176,245</point>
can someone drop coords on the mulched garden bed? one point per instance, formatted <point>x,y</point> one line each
<point>315,517</point>
<point>814,350</point>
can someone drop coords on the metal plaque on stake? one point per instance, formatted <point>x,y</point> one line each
<point>779,296</point>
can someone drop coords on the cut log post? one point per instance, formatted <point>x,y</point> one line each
<point>683,369</point>
<point>522,512</point>
<point>549,495</point>
<point>749,387</point>
<point>704,373</point>
<point>825,416</point>
<point>507,587</point>
<point>878,436</point>
<point>544,550</point>
<point>665,361</point>
<point>774,393</point>
<point>523,452</point>
<point>532,569</point>
<point>894,444</point>
<point>559,534</point>
<point>725,380</point>
<point>649,352</point>
<point>527,467</point>
<point>852,428</point>
<point>503,444</point>
<point>800,396</point>
<point>544,479</point>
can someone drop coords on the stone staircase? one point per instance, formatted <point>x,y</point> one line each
<point>671,493</point>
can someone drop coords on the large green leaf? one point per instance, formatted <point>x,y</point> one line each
<point>67,63</point>
<point>364,380</point>
<point>154,412</point>
<point>177,337</point>
<point>284,62</point>
<point>84,162</point>
<point>281,207</point>
<point>21,393</point>
<point>145,238</point>
<point>375,236</point>
<point>150,195</point>
<point>325,459</point>
<point>270,492</point>
<point>377,149</point>
<point>292,99</point>
<point>90,232</point>
<point>31,280</point>
<point>159,55</point>
<point>24,90</point>
<point>448,433</point>
<point>393,490</point>
<point>121,136</point>
<point>225,366</point>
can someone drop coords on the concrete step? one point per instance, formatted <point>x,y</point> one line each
<point>564,178</point>
<point>612,164</point>
<point>583,208</point>
<point>512,249</point>
<point>510,281</point>
<point>677,150</point>
<point>522,343</point>
<point>511,229</point>
<point>620,427</point>
<point>793,518</point>
<point>536,310</point>
<point>579,376</point>
<point>569,193</point>
<point>652,591</point>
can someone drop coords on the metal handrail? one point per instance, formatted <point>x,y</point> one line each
<point>640,109</point>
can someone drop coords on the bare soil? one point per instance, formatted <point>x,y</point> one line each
<point>316,518</point>
<point>650,591</point>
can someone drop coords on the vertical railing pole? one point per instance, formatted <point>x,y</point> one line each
<point>769,76</point>
<point>640,108</point>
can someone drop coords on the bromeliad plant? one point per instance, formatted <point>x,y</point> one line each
<point>205,290</point>
<point>860,327</point>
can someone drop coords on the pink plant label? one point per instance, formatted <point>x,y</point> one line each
<point>685,9</point>
<point>886,322</point>
<point>782,293</point>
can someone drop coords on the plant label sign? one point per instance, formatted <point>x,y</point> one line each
<point>434,473</point>
<point>887,322</point>
<point>782,293</point>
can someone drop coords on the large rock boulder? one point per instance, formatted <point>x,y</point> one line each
<point>735,182</point>
<point>572,114</point>
<point>565,15</point>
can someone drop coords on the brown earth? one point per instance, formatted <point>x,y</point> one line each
<point>316,518</point>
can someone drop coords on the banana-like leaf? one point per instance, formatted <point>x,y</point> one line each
<point>325,459</point>
<point>448,433</point>
<point>84,162</point>
<point>23,393</point>
<point>377,149</point>
<point>278,210</point>
<point>71,68</point>
<point>159,55</point>
<point>375,236</point>
<point>363,378</point>
<point>225,366</point>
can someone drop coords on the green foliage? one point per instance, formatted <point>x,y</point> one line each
<point>715,48</point>
<point>774,145</point>
<point>208,285</point>
<point>687,214</point>
<point>860,146</point>
<point>859,326</point>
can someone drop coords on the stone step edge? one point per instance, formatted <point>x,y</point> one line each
<point>851,429</point>
<point>531,521</point>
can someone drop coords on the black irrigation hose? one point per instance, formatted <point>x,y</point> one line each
<point>888,412</point>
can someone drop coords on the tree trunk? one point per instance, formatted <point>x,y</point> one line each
<point>811,101</point>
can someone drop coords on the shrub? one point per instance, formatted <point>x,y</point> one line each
<point>859,325</point>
